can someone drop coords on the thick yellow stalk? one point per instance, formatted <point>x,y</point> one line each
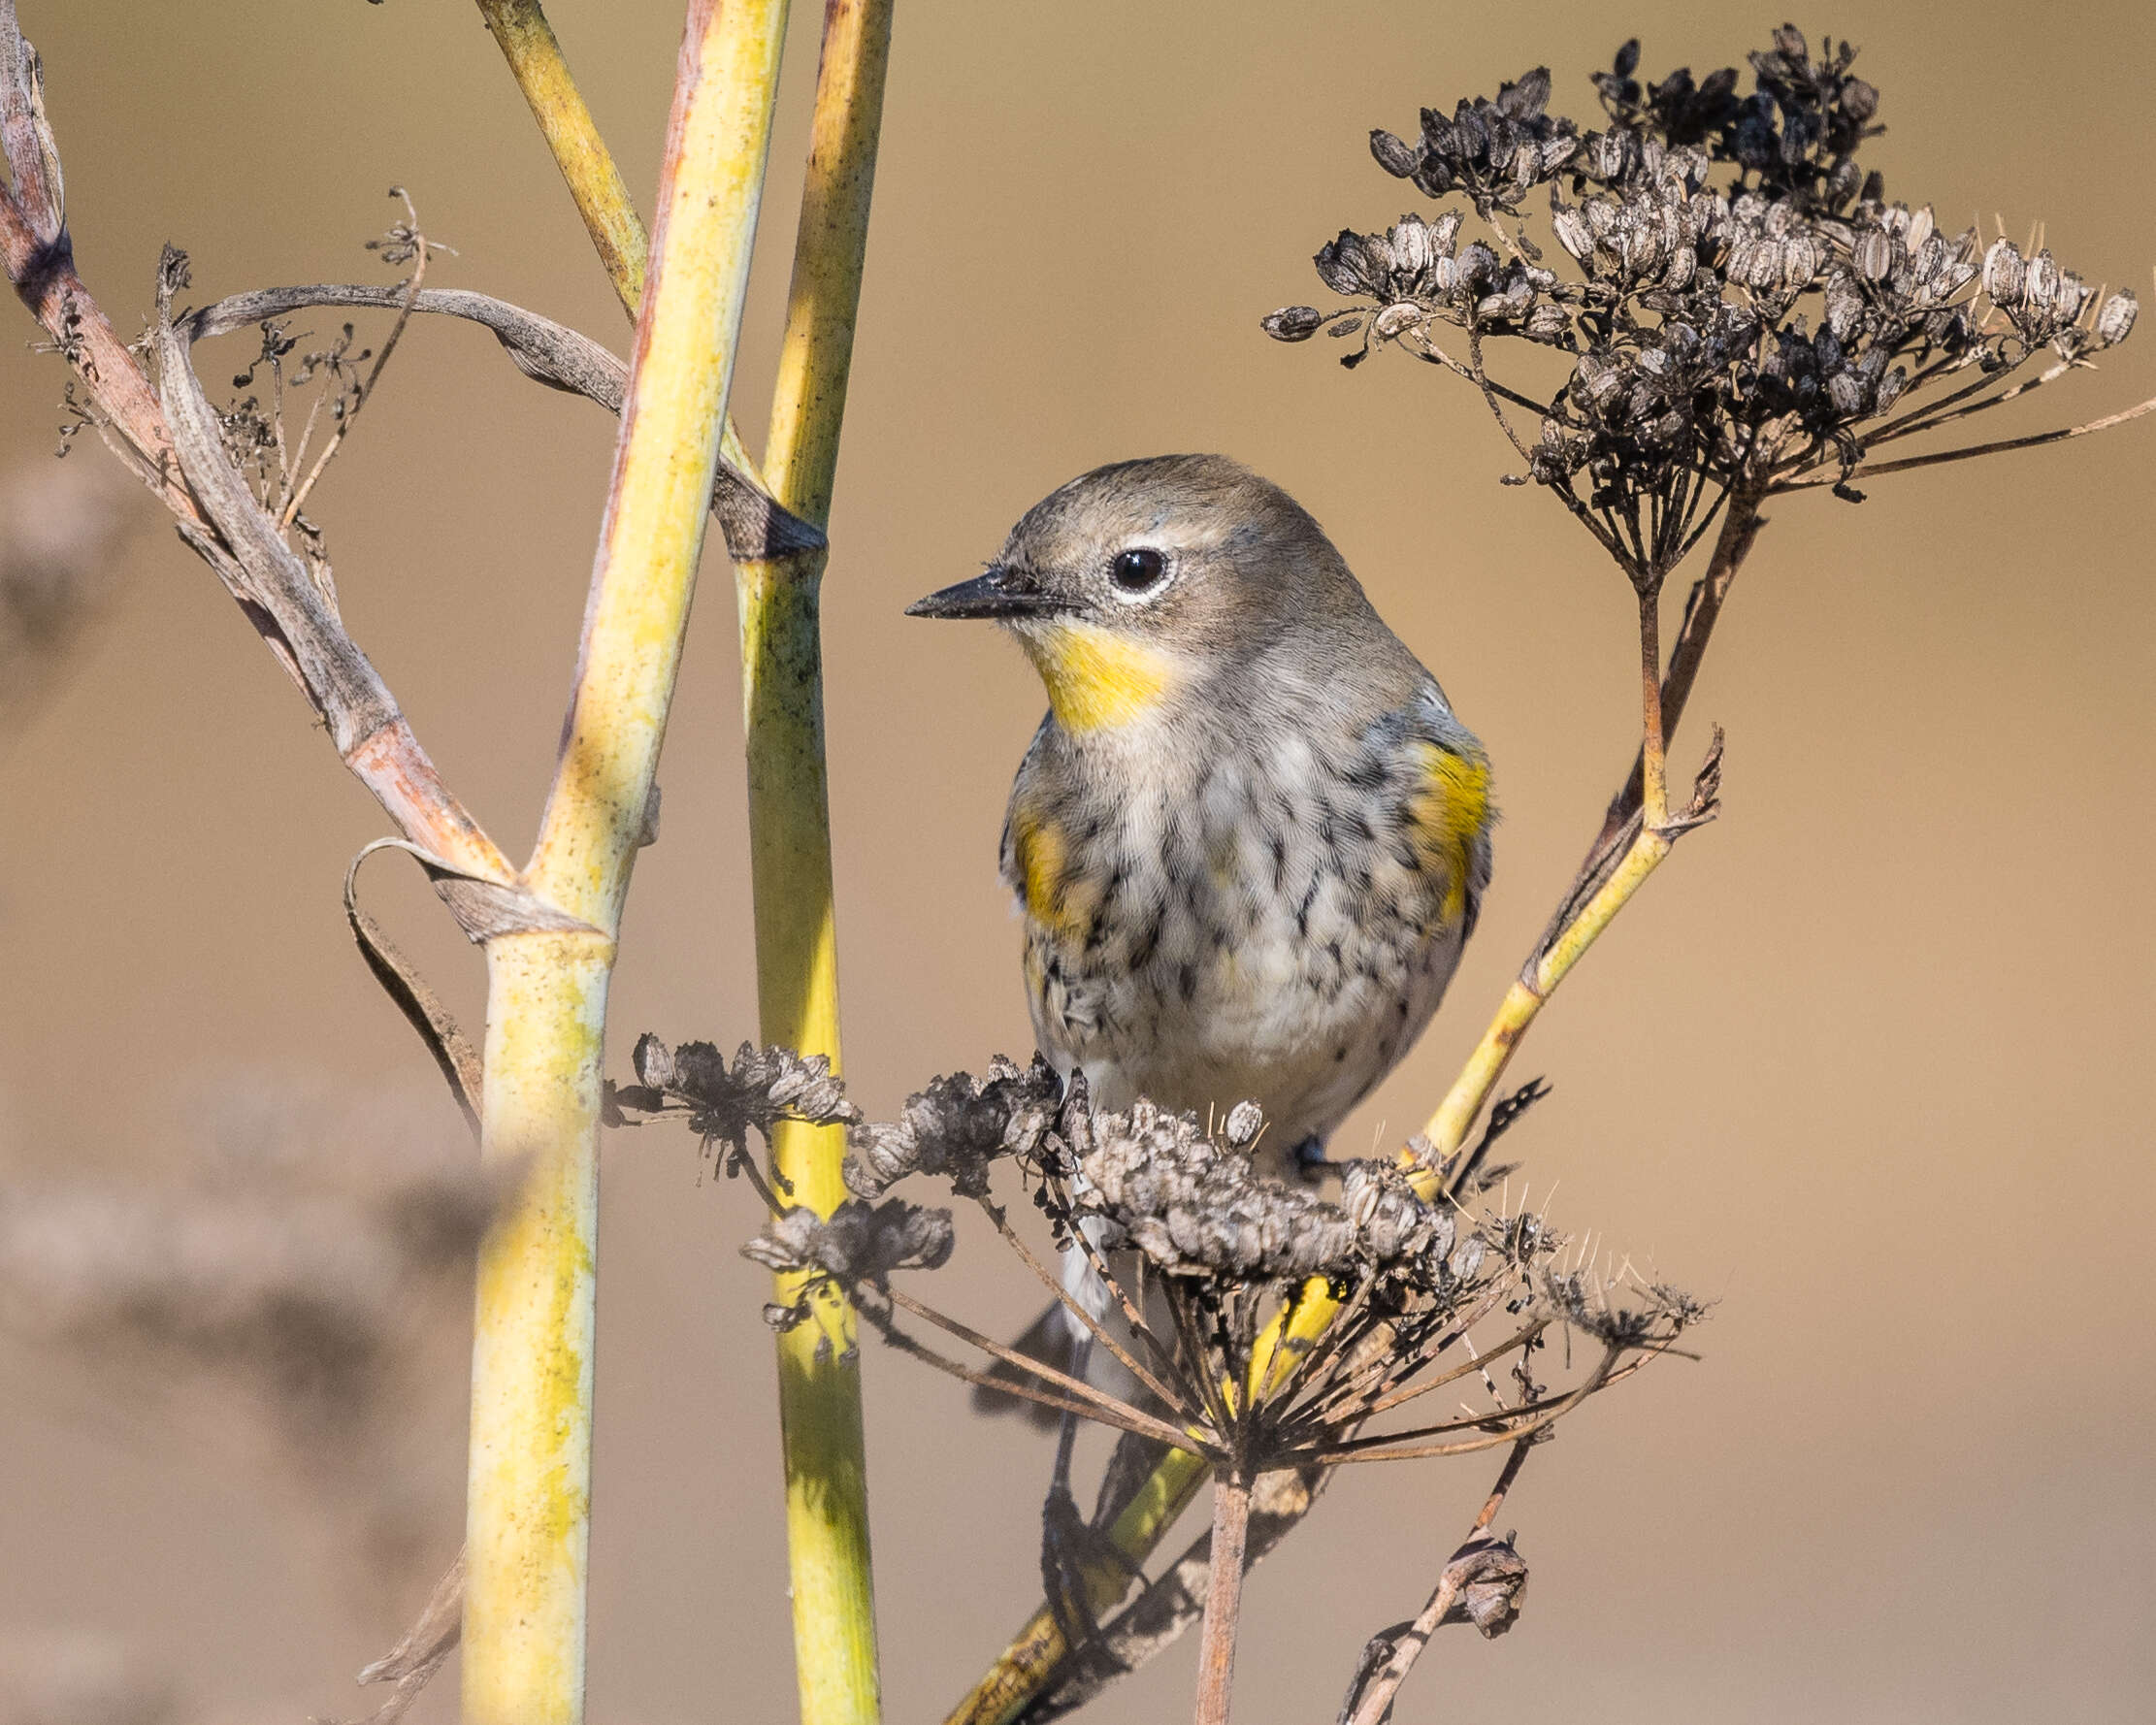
<point>532,1364</point>
<point>797,964</point>
<point>529,1489</point>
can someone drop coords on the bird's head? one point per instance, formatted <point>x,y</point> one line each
<point>1139,585</point>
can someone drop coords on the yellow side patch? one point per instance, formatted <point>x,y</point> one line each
<point>1097,677</point>
<point>1447,816</point>
<point>1062,905</point>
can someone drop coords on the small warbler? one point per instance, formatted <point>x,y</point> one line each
<point>1250,838</point>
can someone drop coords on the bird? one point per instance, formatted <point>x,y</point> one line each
<point>1250,838</point>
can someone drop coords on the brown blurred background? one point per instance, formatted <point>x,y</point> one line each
<point>1864,1063</point>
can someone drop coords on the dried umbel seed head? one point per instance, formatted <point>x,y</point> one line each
<point>956,1128</point>
<point>858,1243</point>
<point>761,1088</point>
<point>1748,306</point>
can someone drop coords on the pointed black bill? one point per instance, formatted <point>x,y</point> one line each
<point>1002,592</point>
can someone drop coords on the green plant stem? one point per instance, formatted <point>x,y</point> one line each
<point>536,60</point>
<point>528,1505</point>
<point>535,57</point>
<point>827,1501</point>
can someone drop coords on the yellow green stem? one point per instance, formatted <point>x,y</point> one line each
<point>1447,1126</point>
<point>529,1493</point>
<point>529,1489</point>
<point>528,43</point>
<point>827,1501</point>
<point>542,71</point>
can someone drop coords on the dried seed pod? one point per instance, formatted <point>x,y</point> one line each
<point>1293,323</point>
<point>1572,231</point>
<point>2115,322</point>
<point>1395,155</point>
<point>2003,272</point>
<point>1872,255</point>
<point>1396,318</point>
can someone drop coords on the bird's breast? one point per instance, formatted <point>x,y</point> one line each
<point>1273,922</point>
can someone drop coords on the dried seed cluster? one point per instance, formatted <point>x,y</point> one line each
<point>1222,1252</point>
<point>1744,302</point>
<point>761,1088</point>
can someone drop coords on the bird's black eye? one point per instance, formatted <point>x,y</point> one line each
<point>1133,572</point>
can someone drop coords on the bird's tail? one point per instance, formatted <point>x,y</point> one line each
<point>1049,1339</point>
<point>1061,1340</point>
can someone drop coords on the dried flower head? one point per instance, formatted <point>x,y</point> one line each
<point>1747,311</point>
<point>761,1088</point>
<point>1209,1264</point>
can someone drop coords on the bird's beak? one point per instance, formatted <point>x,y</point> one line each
<point>1003,591</point>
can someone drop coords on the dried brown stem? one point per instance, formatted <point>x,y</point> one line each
<point>1397,1447</point>
<point>1431,353</point>
<point>1372,1703</point>
<point>1703,608</point>
<point>1166,1606</point>
<point>1094,1403</point>
<point>1968,451</point>
<point>40,260</point>
<point>238,540</point>
<point>880,1318</point>
<point>546,353</point>
<point>1653,771</point>
<point>1400,1398</point>
<point>1077,1310</point>
<point>1224,1596</point>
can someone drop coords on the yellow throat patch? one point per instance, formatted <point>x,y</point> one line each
<point>1097,678</point>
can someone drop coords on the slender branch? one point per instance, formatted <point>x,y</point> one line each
<point>1166,1606</point>
<point>1316,1377</point>
<point>1490,391</point>
<point>536,60</point>
<point>1095,1403</point>
<point>1517,1423</point>
<point>366,390</point>
<point>1703,608</point>
<point>225,525</point>
<point>1076,1308</point>
<point>528,43</point>
<point>1956,404</point>
<point>1374,1705</point>
<point>39,256</point>
<point>1325,1414</point>
<point>1431,353</point>
<point>1081,1399</point>
<point>546,353</point>
<point>2035,439</point>
<point>1653,775</point>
